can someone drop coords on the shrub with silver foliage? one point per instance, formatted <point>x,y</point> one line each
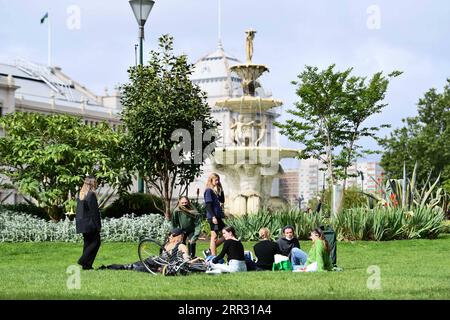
<point>18,227</point>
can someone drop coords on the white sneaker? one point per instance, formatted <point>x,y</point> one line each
<point>206,253</point>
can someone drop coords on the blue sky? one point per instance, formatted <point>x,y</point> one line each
<point>413,37</point>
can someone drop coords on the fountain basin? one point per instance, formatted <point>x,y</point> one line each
<point>249,104</point>
<point>249,71</point>
<point>264,156</point>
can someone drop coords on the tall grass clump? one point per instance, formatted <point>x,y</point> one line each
<point>389,223</point>
<point>248,225</point>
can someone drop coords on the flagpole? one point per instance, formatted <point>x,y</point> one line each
<point>219,22</point>
<point>49,41</point>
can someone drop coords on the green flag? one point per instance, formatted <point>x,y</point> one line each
<point>44,17</point>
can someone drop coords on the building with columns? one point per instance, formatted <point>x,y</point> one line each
<point>30,87</point>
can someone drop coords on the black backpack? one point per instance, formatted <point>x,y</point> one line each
<point>330,236</point>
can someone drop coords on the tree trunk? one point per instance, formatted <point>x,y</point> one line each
<point>167,208</point>
<point>167,198</point>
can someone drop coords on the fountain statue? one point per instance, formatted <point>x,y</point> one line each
<point>250,161</point>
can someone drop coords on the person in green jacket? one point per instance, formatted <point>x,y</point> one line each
<point>319,254</point>
<point>185,216</point>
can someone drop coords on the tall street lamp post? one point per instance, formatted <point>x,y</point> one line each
<point>141,10</point>
<point>362,179</point>
<point>300,199</point>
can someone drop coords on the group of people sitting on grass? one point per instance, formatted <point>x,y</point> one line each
<point>265,250</point>
<point>287,247</point>
<point>186,222</point>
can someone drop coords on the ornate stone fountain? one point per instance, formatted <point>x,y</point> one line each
<point>250,161</point>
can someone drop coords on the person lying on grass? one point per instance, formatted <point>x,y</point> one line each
<point>319,254</point>
<point>174,247</point>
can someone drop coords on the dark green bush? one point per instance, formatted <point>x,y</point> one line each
<point>133,203</point>
<point>27,209</point>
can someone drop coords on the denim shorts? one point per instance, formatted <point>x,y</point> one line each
<point>216,227</point>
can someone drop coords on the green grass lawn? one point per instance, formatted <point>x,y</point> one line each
<point>413,269</point>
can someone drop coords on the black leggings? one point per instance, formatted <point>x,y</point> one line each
<point>90,249</point>
<point>136,266</point>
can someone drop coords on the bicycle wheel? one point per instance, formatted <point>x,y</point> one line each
<point>149,251</point>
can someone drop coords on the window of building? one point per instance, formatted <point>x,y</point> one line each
<point>1,108</point>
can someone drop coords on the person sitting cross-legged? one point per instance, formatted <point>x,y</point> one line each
<point>290,246</point>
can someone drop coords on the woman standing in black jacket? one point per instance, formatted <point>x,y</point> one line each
<point>88,222</point>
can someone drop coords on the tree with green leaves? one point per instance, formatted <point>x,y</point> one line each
<point>329,117</point>
<point>47,157</point>
<point>362,100</point>
<point>424,139</point>
<point>162,105</point>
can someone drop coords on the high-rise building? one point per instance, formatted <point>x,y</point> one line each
<point>289,186</point>
<point>372,176</point>
<point>310,180</point>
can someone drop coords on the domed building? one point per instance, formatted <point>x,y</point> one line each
<point>214,77</point>
<point>212,74</point>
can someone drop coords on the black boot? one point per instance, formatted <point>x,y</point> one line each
<point>192,249</point>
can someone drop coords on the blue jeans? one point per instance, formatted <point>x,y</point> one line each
<point>298,258</point>
<point>209,258</point>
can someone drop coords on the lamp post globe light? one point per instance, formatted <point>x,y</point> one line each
<point>141,10</point>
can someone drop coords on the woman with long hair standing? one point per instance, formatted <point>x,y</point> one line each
<point>88,222</point>
<point>214,200</point>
